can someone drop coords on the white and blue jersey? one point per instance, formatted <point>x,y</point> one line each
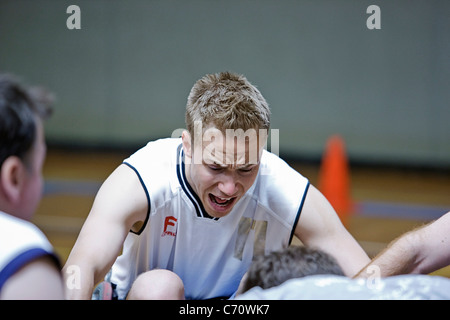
<point>21,242</point>
<point>209,254</point>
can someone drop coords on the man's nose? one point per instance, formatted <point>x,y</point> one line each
<point>228,185</point>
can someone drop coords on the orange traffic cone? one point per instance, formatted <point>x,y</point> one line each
<point>334,178</point>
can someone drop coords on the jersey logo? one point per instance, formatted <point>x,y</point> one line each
<point>249,231</point>
<point>170,228</point>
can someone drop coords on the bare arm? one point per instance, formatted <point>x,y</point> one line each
<point>422,250</point>
<point>320,227</point>
<point>40,279</point>
<point>120,204</point>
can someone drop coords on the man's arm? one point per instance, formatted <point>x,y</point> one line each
<point>38,280</point>
<point>320,227</point>
<point>119,205</point>
<point>422,250</point>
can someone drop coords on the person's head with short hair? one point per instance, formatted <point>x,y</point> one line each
<point>273,269</point>
<point>227,121</point>
<point>226,101</point>
<point>22,146</point>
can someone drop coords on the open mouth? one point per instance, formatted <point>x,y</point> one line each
<point>221,203</point>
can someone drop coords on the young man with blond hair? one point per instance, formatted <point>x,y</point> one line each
<point>189,214</point>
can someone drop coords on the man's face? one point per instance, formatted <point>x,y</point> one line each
<point>32,190</point>
<point>222,167</point>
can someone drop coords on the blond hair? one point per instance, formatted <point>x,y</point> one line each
<point>227,101</point>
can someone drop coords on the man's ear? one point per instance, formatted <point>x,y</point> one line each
<point>187,143</point>
<point>11,178</point>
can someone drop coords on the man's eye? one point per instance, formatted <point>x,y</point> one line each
<point>215,168</point>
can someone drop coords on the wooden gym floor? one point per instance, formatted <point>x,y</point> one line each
<point>389,202</point>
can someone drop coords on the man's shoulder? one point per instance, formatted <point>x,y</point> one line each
<point>160,145</point>
<point>13,227</point>
<point>17,236</point>
<point>157,151</point>
<point>276,176</point>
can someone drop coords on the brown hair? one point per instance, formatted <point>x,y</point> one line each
<point>228,101</point>
<point>19,107</point>
<point>277,267</point>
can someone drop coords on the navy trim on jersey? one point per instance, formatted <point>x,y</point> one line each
<point>200,210</point>
<point>22,259</point>
<point>299,212</point>
<point>146,194</point>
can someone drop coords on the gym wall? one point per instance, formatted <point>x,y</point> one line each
<point>123,78</point>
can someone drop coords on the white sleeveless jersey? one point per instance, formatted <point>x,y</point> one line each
<point>20,243</point>
<point>209,254</point>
